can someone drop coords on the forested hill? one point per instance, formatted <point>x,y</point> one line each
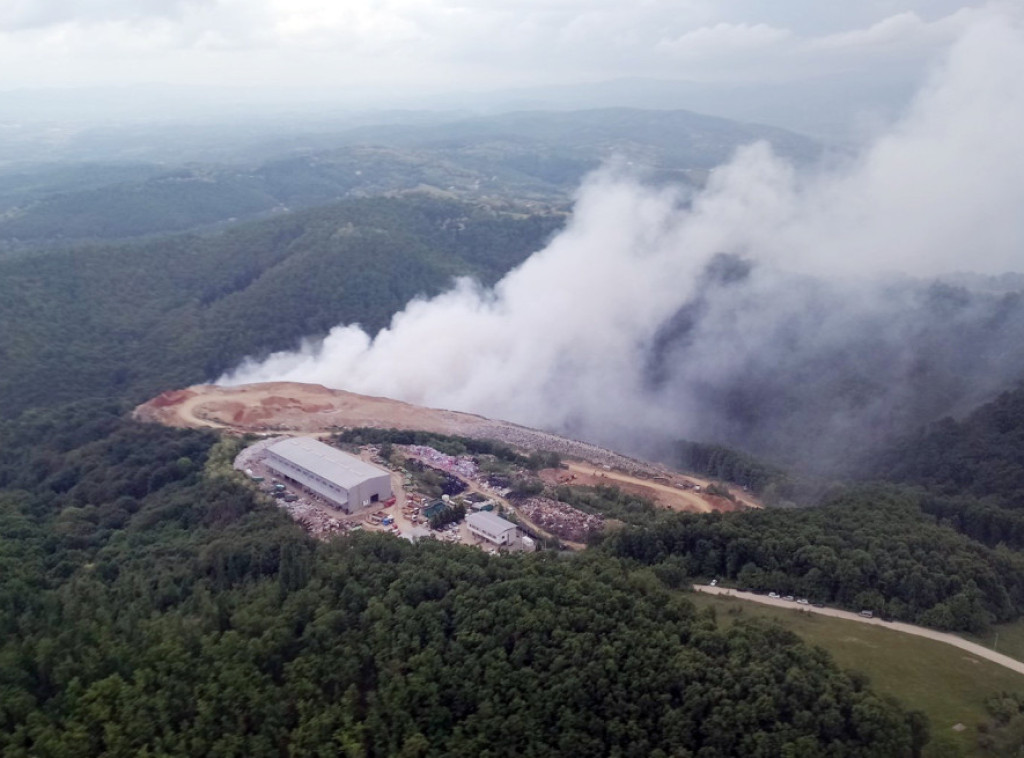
<point>537,156</point>
<point>131,320</point>
<point>981,455</point>
<point>871,548</point>
<point>149,606</point>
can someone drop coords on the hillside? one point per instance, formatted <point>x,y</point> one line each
<point>537,157</point>
<point>150,604</point>
<point>131,320</point>
<point>876,548</point>
<point>830,372</point>
<point>981,454</point>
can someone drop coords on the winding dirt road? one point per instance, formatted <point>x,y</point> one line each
<point>670,497</point>
<point>897,626</point>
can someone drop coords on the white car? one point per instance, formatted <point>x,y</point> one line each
<point>774,595</point>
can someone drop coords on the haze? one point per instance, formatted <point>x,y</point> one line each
<point>833,69</point>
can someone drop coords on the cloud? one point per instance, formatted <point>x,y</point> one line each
<point>629,326</point>
<point>424,42</point>
<point>888,31</point>
<point>724,39</point>
<point>34,14</point>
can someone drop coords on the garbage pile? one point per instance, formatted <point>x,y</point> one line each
<point>462,466</point>
<point>318,523</point>
<point>560,519</point>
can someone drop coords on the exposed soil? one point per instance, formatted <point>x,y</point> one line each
<point>677,492</point>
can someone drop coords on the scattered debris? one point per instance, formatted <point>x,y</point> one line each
<point>463,466</point>
<point>560,519</point>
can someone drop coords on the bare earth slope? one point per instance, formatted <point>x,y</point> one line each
<point>296,408</point>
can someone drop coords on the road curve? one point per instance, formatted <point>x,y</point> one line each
<point>919,631</point>
<point>696,502</point>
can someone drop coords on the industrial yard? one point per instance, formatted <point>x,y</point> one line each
<point>291,408</point>
<point>406,513</point>
<point>296,408</point>
<point>317,483</point>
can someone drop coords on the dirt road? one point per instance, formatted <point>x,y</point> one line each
<point>667,495</point>
<point>295,408</point>
<point>292,407</point>
<point>671,497</point>
<point>897,626</point>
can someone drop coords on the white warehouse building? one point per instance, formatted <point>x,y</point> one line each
<point>342,479</point>
<point>492,528</point>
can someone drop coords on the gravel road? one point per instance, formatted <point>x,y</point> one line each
<point>897,626</point>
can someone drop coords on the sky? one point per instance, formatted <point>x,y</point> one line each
<point>444,45</point>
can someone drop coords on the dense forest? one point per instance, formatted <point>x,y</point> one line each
<point>131,320</point>
<point>720,462</point>
<point>869,548</point>
<point>981,455</point>
<point>904,553</point>
<point>150,605</point>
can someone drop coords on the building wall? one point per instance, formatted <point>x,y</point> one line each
<point>502,538</point>
<point>361,496</point>
<point>331,492</point>
<point>351,500</point>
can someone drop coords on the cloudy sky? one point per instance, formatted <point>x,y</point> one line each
<point>449,44</point>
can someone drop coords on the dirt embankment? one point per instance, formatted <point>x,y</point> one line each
<point>295,408</point>
<point>671,490</point>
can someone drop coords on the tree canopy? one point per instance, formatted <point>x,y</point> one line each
<point>149,605</point>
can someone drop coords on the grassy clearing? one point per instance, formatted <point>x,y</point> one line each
<point>948,684</point>
<point>1008,639</point>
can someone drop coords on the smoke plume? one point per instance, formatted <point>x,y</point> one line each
<point>782,311</point>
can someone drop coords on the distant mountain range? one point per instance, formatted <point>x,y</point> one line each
<point>526,157</point>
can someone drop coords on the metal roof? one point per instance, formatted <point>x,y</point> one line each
<point>326,462</point>
<point>489,521</point>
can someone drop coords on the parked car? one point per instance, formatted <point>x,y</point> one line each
<point>788,597</point>
<point>773,594</point>
<point>803,601</point>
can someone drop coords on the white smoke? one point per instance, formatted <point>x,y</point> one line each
<point>564,340</point>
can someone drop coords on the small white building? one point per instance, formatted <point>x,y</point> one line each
<point>342,479</point>
<point>491,527</point>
